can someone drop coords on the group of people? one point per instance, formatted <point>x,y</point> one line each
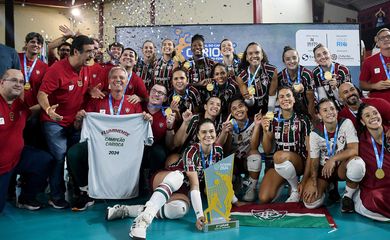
<point>311,128</point>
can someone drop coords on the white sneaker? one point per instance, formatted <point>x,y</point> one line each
<point>139,226</point>
<point>294,197</point>
<point>122,211</point>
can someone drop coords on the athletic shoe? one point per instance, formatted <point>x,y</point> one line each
<point>139,226</point>
<point>347,205</point>
<point>83,202</point>
<point>294,197</point>
<point>30,204</point>
<point>333,193</point>
<point>249,191</point>
<point>123,211</point>
<point>59,203</point>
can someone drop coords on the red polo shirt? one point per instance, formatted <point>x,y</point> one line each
<point>159,125</point>
<point>12,121</point>
<point>40,68</point>
<point>67,88</point>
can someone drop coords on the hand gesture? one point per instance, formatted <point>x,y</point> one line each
<point>187,115</point>
<point>51,111</point>
<point>66,32</point>
<point>258,119</point>
<point>79,119</point>
<point>328,168</point>
<point>227,126</point>
<point>205,81</point>
<point>95,92</point>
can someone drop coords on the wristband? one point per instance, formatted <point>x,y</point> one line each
<point>196,203</point>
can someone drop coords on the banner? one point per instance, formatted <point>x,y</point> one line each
<point>283,215</point>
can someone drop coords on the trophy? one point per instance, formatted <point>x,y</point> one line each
<point>219,189</point>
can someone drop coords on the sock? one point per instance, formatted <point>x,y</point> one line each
<point>288,172</point>
<point>349,192</point>
<point>159,197</point>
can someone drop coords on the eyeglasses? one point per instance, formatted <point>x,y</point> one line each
<point>15,81</point>
<point>158,93</point>
<point>384,38</point>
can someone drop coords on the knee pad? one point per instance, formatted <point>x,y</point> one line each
<point>316,204</point>
<point>174,180</point>
<point>254,162</point>
<point>174,210</point>
<point>356,169</point>
<point>286,169</point>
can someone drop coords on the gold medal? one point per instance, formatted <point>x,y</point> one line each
<point>298,87</point>
<point>186,65</point>
<point>328,75</point>
<point>27,86</point>
<point>176,98</point>
<point>11,116</point>
<point>252,90</point>
<point>168,111</point>
<point>210,87</point>
<point>379,173</point>
<point>270,115</point>
<point>79,83</point>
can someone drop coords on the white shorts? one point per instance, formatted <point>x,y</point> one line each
<point>362,210</point>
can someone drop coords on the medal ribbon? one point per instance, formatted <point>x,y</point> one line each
<point>251,79</point>
<point>203,158</point>
<point>112,108</point>
<point>298,77</point>
<point>332,151</point>
<point>236,128</point>
<point>27,73</point>
<point>322,71</point>
<point>384,66</point>
<point>379,159</point>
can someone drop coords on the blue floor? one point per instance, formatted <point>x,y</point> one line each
<point>50,223</point>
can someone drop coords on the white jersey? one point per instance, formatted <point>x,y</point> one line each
<point>241,143</point>
<point>347,134</point>
<point>115,148</point>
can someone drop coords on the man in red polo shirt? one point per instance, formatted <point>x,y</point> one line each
<point>61,95</point>
<point>15,157</point>
<point>375,73</point>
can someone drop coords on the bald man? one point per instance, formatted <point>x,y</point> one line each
<point>351,99</point>
<point>33,164</point>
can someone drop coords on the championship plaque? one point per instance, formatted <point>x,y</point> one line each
<point>219,189</point>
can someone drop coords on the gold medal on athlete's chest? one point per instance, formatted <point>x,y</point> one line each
<point>27,86</point>
<point>379,173</point>
<point>210,87</point>
<point>252,90</point>
<point>328,75</point>
<point>298,87</point>
<point>176,98</point>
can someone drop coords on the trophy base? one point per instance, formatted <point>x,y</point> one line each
<point>210,227</point>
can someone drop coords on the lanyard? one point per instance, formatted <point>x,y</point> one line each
<point>384,66</point>
<point>112,108</point>
<point>331,153</point>
<point>298,77</point>
<point>379,159</point>
<point>236,128</point>
<point>251,79</point>
<point>322,71</point>
<point>128,81</point>
<point>210,162</point>
<point>27,74</point>
<point>280,118</point>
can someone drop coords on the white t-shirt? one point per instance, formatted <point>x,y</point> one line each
<point>115,149</point>
<point>346,134</point>
<point>241,143</point>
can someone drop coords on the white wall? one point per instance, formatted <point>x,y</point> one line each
<point>287,11</point>
<point>336,14</point>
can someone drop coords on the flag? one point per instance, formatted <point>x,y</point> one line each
<point>282,215</point>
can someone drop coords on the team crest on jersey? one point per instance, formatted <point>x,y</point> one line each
<point>127,110</point>
<point>268,214</point>
<point>38,72</point>
<point>341,139</point>
<point>79,83</point>
<point>294,128</point>
<point>264,79</point>
<point>94,75</point>
<point>161,125</point>
<point>130,86</point>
